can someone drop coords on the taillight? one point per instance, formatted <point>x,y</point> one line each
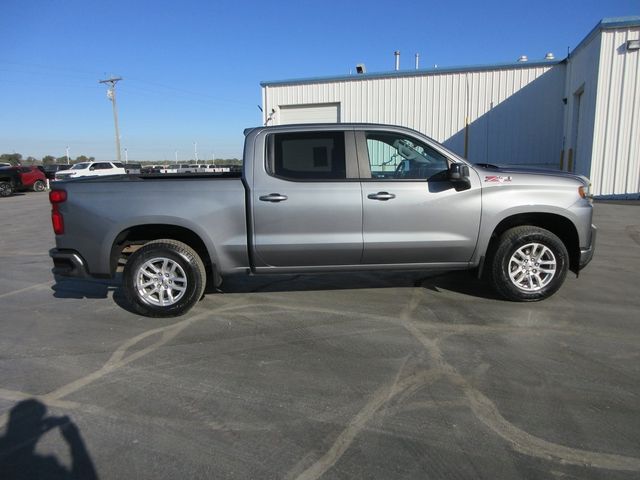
<point>56,197</point>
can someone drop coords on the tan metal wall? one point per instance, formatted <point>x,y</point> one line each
<point>515,113</point>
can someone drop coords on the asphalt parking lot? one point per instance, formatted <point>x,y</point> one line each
<point>335,377</point>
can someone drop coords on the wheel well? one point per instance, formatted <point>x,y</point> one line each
<point>557,224</point>
<point>129,240</point>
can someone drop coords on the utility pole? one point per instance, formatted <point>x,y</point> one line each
<point>195,150</point>
<point>126,155</point>
<point>111,95</point>
<point>67,150</point>
<point>176,157</point>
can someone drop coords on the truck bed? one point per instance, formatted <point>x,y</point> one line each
<point>211,206</point>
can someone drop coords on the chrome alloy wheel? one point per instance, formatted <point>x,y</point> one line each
<point>532,267</point>
<point>161,282</point>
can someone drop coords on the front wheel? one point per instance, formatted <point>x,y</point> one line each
<point>164,278</point>
<point>6,189</point>
<point>39,186</point>
<point>530,264</point>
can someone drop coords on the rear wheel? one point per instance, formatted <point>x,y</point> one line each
<point>164,278</point>
<point>39,186</point>
<point>530,264</point>
<point>6,189</point>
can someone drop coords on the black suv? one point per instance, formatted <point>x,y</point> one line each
<point>9,181</point>
<point>51,169</point>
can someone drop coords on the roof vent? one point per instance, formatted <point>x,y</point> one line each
<point>550,56</point>
<point>397,55</point>
<point>523,58</point>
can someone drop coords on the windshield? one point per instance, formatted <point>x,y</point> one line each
<point>80,166</point>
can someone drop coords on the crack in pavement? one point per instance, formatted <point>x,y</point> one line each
<point>359,422</point>
<point>487,412</point>
<point>482,407</point>
<point>119,358</point>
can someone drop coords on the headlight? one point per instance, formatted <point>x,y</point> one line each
<point>585,192</point>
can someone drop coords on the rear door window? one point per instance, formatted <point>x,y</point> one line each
<point>308,156</point>
<point>101,166</point>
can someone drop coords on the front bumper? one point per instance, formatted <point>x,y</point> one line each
<point>586,254</point>
<point>68,263</point>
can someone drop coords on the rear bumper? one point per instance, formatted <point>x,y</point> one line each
<point>68,263</point>
<point>586,254</point>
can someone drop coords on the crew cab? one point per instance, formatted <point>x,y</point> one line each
<point>318,198</point>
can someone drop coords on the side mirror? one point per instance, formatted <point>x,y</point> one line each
<point>459,176</point>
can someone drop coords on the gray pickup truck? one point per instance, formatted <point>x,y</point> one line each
<point>318,198</point>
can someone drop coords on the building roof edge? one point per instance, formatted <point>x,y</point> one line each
<point>412,73</point>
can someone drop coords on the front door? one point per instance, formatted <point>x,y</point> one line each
<point>412,214</point>
<point>306,202</point>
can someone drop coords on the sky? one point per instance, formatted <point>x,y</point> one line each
<point>192,69</point>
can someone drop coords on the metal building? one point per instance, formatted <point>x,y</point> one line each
<point>580,114</point>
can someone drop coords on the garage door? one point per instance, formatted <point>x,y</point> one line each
<point>323,113</point>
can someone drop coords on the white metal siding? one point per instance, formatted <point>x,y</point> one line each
<point>616,150</point>
<point>515,114</point>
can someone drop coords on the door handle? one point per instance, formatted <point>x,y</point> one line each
<point>384,196</point>
<point>273,197</point>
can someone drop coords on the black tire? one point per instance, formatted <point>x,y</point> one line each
<point>39,186</point>
<point>6,189</point>
<point>190,271</point>
<point>529,264</point>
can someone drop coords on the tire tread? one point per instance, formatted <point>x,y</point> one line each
<point>508,240</point>
<point>179,248</point>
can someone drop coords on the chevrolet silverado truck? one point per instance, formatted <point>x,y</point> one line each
<point>320,198</point>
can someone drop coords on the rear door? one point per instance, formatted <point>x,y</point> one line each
<point>412,214</point>
<point>306,201</point>
<point>27,176</point>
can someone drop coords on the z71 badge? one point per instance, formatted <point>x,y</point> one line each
<point>497,178</point>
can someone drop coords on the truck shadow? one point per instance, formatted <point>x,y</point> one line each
<point>459,282</point>
<point>68,287</point>
<point>79,288</point>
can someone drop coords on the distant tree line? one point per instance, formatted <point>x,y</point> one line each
<point>18,159</point>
